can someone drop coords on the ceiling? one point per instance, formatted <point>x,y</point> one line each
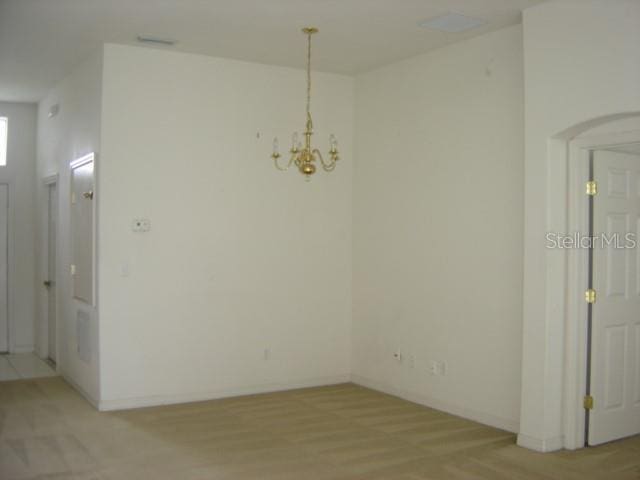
<point>41,40</point>
<point>631,148</point>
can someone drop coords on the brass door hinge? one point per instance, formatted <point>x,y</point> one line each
<point>588,402</point>
<point>590,296</point>
<point>592,188</point>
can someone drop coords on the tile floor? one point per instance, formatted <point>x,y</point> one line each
<point>22,366</point>
<point>341,432</point>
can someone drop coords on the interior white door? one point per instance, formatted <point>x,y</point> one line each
<point>615,346</point>
<point>4,267</point>
<point>51,273</point>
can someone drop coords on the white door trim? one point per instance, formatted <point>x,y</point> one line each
<point>80,162</point>
<point>10,269</point>
<point>50,179</point>
<point>44,308</point>
<point>546,373</point>
<point>576,282</point>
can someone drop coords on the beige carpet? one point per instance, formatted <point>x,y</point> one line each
<point>47,431</point>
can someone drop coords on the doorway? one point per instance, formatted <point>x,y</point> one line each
<point>612,406</point>
<point>4,268</point>
<point>50,281</point>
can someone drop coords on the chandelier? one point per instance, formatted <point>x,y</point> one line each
<point>305,157</point>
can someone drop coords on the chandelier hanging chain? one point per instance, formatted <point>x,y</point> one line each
<point>305,156</point>
<point>309,74</point>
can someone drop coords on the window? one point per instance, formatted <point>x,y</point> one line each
<point>4,123</point>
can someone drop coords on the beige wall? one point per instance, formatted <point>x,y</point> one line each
<point>240,257</point>
<point>438,227</point>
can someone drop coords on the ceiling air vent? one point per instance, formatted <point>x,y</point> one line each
<point>167,42</point>
<point>452,23</point>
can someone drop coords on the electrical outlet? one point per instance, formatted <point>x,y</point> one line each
<point>266,354</point>
<point>437,367</point>
<point>412,361</point>
<point>433,367</point>
<point>141,225</point>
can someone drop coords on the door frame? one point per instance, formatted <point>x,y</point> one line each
<point>44,344</point>
<point>575,364</point>
<point>90,157</point>
<point>10,269</point>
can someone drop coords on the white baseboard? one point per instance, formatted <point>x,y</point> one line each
<point>82,392</point>
<point>155,400</point>
<point>481,417</point>
<point>541,445</point>
<point>22,349</point>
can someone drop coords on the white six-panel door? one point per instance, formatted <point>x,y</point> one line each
<point>615,374</point>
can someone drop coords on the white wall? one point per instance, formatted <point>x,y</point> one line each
<point>74,132</point>
<point>19,174</point>
<point>240,257</point>
<point>438,227</point>
<point>581,64</point>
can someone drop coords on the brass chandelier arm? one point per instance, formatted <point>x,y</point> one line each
<point>328,167</point>
<point>277,164</point>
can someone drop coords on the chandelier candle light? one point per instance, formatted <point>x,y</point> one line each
<point>305,157</point>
